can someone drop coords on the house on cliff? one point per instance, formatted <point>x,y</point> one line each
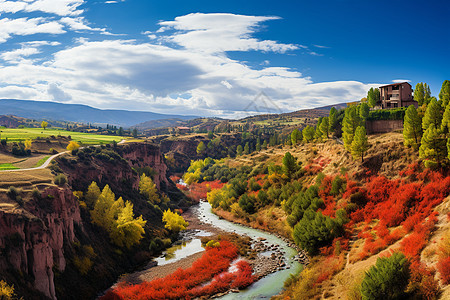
<point>397,95</point>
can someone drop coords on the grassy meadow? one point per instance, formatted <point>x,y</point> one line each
<point>22,134</point>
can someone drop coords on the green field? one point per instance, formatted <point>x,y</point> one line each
<point>41,161</point>
<point>22,134</point>
<point>8,167</point>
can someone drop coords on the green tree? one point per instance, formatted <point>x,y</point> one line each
<point>258,145</point>
<point>332,120</point>
<point>135,132</point>
<point>444,94</point>
<point>92,194</point>
<point>201,148</point>
<point>264,145</point>
<point>363,111</point>
<point>210,135</point>
<point>44,124</point>
<point>387,279</point>
<point>308,133</point>
<point>433,115</point>
<point>360,143</point>
<point>247,148</point>
<point>324,126</point>
<point>296,136</point>
<point>120,131</point>
<point>318,132</point>
<point>373,97</point>
<point>127,230</point>
<point>445,125</point>
<point>148,188</point>
<point>247,203</point>
<point>239,150</point>
<point>422,93</point>
<point>412,127</point>
<point>290,165</point>
<point>174,221</point>
<point>349,124</point>
<point>433,146</point>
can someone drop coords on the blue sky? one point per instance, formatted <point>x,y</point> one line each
<point>214,58</point>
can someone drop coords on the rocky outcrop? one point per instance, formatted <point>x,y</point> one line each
<point>32,238</point>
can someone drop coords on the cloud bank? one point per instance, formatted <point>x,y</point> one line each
<point>184,67</point>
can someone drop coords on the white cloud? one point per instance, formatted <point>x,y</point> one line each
<point>17,55</point>
<point>58,7</point>
<point>197,78</point>
<point>78,23</point>
<point>401,80</point>
<point>220,32</point>
<point>25,26</point>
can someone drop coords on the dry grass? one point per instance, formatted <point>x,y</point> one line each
<point>26,180</point>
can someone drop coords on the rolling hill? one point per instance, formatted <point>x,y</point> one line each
<point>79,113</point>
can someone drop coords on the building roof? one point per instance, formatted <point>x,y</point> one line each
<point>183,128</point>
<point>397,83</point>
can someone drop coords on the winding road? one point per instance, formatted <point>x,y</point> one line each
<point>49,160</point>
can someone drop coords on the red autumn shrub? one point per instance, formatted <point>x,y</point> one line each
<point>186,283</point>
<point>443,267</point>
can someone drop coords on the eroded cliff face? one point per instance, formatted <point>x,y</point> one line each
<point>32,238</point>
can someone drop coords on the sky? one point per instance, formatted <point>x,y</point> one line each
<point>218,58</point>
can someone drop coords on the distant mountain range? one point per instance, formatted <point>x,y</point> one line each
<point>48,110</point>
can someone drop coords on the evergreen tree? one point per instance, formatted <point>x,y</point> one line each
<point>258,145</point>
<point>239,150</point>
<point>332,120</point>
<point>135,132</point>
<point>363,111</point>
<point>308,133</point>
<point>422,93</point>
<point>296,136</point>
<point>373,97</point>
<point>349,124</point>
<point>247,148</point>
<point>433,115</point>
<point>360,143</point>
<point>264,145</point>
<point>445,125</point>
<point>412,127</point>
<point>387,279</point>
<point>318,132</point>
<point>120,131</point>
<point>201,148</point>
<point>433,146</point>
<point>324,125</point>
<point>444,94</point>
<point>289,164</point>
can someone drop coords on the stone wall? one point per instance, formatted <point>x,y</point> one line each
<point>383,126</point>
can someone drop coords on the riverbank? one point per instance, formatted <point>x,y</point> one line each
<point>268,255</point>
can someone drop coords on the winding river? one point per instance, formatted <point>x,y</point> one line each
<point>268,286</point>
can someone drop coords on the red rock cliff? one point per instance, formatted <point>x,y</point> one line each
<point>32,237</point>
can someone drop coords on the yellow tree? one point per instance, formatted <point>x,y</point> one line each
<point>92,194</point>
<point>27,144</point>
<point>174,221</point>
<point>44,124</point>
<point>99,214</point>
<point>128,230</point>
<point>148,188</point>
<point>73,146</point>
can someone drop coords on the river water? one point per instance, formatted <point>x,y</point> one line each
<point>268,286</point>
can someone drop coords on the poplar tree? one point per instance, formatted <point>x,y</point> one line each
<point>433,115</point>
<point>201,148</point>
<point>92,194</point>
<point>412,127</point>
<point>318,132</point>
<point>349,124</point>
<point>444,94</point>
<point>239,150</point>
<point>360,143</point>
<point>148,188</point>
<point>264,145</point>
<point>247,148</point>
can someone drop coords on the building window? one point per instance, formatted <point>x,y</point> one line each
<point>395,87</point>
